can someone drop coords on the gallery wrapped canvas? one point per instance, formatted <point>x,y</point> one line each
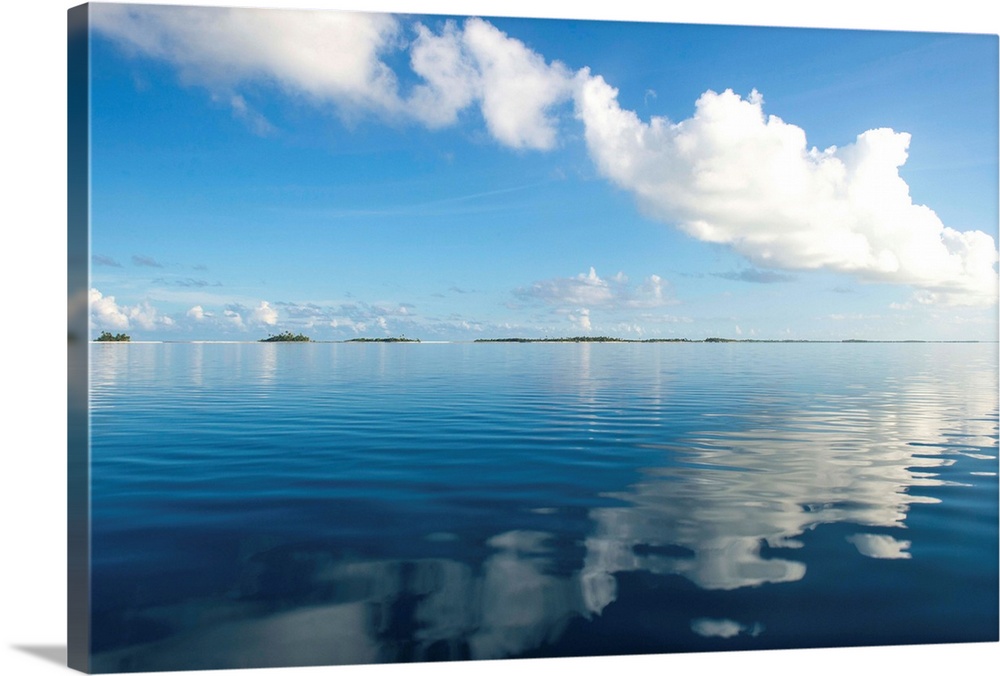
<point>422,338</point>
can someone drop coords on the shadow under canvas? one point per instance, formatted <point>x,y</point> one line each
<point>49,653</point>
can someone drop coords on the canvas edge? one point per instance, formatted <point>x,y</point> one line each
<point>78,272</point>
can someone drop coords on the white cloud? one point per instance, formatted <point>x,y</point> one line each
<point>197,313</point>
<point>264,314</point>
<point>336,58</point>
<point>517,87</point>
<point>451,79</point>
<point>591,290</point>
<point>347,322</point>
<point>233,318</point>
<point>323,56</point>
<point>581,319</point>
<point>650,294</point>
<point>583,289</point>
<point>239,316</point>
<point>255,120</point>
<point>105,313</point>
<point>575,298</point>
<point>731,175</point>
<point>145,316</point>
<point>514,86</point>
<point>344,318</point>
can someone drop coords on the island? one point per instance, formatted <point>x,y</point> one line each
<point>286,337</point>
<point>106,337</point>
<point>400,339</point>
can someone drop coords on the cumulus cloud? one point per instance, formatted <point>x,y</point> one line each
<point>353,318</point>
<point>580,318</point>
<point>583,289</point>
<point>106,314</point>
<point>232,318</point>
<point>347,323</point>
<point>239,316</point>
<point>264,314</point>
<point>451,79</point>
<point>337,58</point>
<point>323,56</point>
<point>591,290</point>
<point>575,298</point>
<point>731,175</point>
<point>514,86</point>
<point>517,87</point>
<point>147,317</point>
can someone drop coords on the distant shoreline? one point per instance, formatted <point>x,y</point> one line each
<point>586,339</point>
<point>576,339</point>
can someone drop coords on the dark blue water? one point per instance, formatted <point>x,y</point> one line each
<point>305,504</point>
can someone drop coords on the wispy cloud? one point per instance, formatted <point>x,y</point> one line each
<point>186,282</point>
<point>755,276</point>
<point>591,290</point>
<point>145,262</point>
<point>254,119</point>
<point>575,299</point>
<point>107,261</point>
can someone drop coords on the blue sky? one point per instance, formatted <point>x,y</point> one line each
<point>449,178</point>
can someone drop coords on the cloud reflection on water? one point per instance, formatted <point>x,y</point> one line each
<point>784,464</point>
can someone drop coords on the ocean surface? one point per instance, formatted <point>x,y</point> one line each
<point>303,504</point>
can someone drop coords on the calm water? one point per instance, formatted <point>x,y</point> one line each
<point>302,504</point>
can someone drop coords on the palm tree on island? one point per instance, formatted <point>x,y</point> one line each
<point>400,339</point>
<point>286,337</point>
<point>107,337</point>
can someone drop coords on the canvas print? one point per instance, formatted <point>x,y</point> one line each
<point>414,338</point>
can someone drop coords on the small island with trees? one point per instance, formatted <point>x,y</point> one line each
<point>286,337</point>
<point>107,337</point>
<point>400,339</point>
